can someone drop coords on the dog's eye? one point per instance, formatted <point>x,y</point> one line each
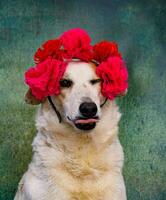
<point>94,81</point>
<point>65,83</point>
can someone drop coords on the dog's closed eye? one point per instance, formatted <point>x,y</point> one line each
<point>65,83</point>
<point>94,81</point>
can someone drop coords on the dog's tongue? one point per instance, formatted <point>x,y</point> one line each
<point>85,121</point>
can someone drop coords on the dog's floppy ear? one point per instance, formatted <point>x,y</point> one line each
<point>31,99</point>
<point>123,93</point>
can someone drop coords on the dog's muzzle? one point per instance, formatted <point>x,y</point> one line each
<point>87,119</point>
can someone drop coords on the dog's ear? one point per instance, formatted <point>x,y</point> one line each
<point>31,99</point>
<point>123,93</point>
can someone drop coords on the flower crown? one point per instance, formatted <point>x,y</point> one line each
<point>50,59</point>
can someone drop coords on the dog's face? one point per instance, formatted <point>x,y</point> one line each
<point>81,95</point>
<point>80,98</point>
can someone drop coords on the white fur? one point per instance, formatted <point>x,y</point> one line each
<point>68,164</point>
<point>82,89</point>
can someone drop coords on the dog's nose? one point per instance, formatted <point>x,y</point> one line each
<point>88,109</point>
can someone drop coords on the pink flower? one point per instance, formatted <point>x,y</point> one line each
<point>49,48</point>
<point>43,79</point>
<point>114,77</point>
<point>103,50</point>
<point>76,43</point>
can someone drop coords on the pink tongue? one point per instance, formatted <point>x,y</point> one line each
<point>85,121</point>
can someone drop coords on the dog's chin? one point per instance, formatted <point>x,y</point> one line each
<point>86,127</point>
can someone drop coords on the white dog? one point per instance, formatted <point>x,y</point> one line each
<point>77,159</point>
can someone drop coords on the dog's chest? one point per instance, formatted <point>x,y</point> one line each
<point>85,165</point>
<point>82,174</point>
<point>79,172</point>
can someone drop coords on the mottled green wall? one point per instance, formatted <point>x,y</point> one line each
<point>139,28</point>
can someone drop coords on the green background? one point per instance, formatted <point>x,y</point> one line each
<point>139,28</point>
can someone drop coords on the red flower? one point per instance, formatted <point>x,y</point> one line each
<point>76,43</point>
<point>103,50</point>
<point>43,79</point>
<point>114,75</point>
<point>49,48</point>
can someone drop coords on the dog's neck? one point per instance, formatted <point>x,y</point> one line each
<point>106,129</point>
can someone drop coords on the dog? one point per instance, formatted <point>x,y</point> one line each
<point>80,158</point>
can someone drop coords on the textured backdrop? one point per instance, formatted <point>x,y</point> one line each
<point>139,28</point>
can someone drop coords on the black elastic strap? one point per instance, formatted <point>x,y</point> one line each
<point>54,108</point>
<point>103,103</point>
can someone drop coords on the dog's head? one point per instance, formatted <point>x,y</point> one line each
<point>77,78</point>
<point>80,100</point>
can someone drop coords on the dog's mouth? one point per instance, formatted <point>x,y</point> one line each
<point>85,124</point>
